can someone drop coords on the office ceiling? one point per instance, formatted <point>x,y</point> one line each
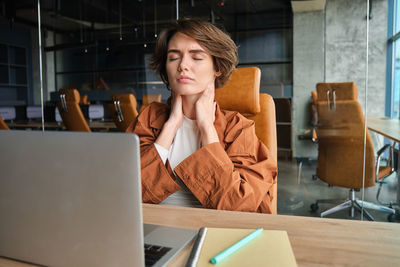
<point>130,19</point>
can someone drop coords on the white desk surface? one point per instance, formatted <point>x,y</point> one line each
<point>387,127</point>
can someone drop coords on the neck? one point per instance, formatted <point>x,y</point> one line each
<point>188,105</point>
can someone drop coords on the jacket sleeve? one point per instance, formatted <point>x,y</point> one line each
<point>238,177</point>
<point>157,179</point>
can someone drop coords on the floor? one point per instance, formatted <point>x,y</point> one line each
<point>295,199</point>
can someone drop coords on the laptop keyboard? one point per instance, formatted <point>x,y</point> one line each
<point>153,253</point>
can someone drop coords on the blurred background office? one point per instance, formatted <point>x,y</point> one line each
<point>101,48</point>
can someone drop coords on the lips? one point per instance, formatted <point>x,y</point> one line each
<point>184,79</point>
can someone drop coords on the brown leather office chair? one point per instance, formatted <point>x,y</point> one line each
<point>148,99</point>
<point>265,123</point>
<point>70,111</point>
<point>3,125</point>
<point>84,100</point>
<point>340,133</point>
<point>123,110</point>
<point>242,93</point>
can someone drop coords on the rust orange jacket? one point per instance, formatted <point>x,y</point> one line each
<point>235,174</point>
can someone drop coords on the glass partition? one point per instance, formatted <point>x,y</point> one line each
<point>383,116</point>
<point>102,48</point>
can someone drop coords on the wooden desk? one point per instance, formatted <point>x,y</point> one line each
<point>102,125</point>
<point>35,125</point>
<point>315,241</point>
<point>94,125</point>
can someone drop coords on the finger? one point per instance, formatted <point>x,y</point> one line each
<point>175,96</point>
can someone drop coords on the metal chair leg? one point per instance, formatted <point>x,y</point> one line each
<point>374,206</point>
<point>367,214</point>
<point>339,207</point>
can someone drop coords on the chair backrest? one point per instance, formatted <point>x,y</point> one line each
<point>337,91</point>
<point>123,109</point>
<point>313,108</point>
<point>242,93</point>
<point>148,99</point>
<point>314,96</point>
<point>84,100</point>
<point>341,145</point>
<point>3,125</point>
<point>265,124</point>
<point>70,111</point>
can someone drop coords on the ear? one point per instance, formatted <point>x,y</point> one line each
<point>217,74</point>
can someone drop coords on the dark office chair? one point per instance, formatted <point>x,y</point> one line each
<point>70,111</point>
<point>242,93</point>
<point>340,133</point>
<point>3,125</point>
<point>123,109</point>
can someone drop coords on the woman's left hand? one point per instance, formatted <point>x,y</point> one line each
<point>205,108</point>
<point>205,115</point>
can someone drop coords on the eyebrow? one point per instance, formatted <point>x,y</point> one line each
<point>193,51</point>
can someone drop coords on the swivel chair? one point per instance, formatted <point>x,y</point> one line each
<point>148,99</point>
<point>70,111</point>
<point>340,131</point>
<point>242,93</point>
<point>123,110</point>
<point>3,125</point>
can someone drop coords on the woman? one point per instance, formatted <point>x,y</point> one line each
<point>192,152</point>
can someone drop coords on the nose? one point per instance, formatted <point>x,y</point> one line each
<point>184,64</point>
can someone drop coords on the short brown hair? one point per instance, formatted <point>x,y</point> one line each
<point>218,43</point>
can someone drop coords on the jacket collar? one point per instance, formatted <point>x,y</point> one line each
<point>158,118</point>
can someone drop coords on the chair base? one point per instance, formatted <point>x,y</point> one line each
<point>353,204</point>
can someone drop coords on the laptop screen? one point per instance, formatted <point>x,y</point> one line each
<point>71,199</point>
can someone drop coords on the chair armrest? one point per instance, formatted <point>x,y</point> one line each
<point>380,151</point>
<point>378,159</point>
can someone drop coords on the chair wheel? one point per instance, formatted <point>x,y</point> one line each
<point>392,218</point>
<point>314,207</point>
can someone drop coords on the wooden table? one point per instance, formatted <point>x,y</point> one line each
<point>35,125</point>
<point>102,125</point>
<point>94,125</point>
<point>315,241</point>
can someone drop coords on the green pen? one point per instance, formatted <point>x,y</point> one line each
<point>225,253</point>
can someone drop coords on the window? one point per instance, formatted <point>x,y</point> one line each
<point>393,84</point>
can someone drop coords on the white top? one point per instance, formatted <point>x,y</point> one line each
<point>187,141</point>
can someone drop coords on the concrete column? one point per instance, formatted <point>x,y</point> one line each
<point>308,69</point>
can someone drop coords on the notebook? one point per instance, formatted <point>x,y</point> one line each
<point>74,199</point>
<point>270,248</point>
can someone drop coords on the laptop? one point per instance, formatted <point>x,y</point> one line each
<point>74,199</point>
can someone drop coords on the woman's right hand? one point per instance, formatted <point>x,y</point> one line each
<point>173,123</point>
<point>176,115</point>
